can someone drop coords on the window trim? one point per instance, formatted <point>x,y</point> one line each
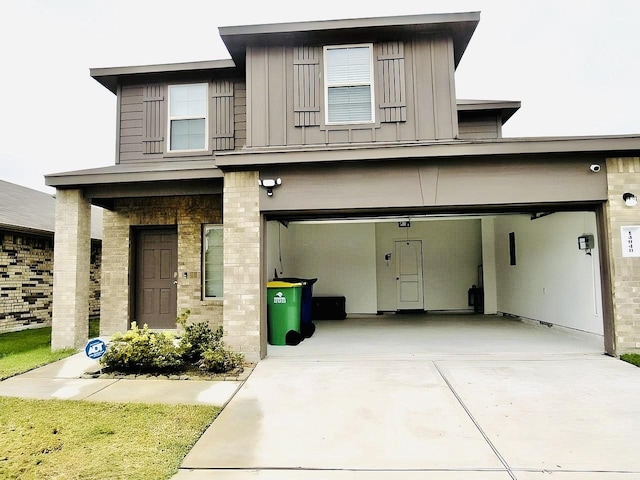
<point>203,285</point>
<point>188,117</point>
<point>370,83</point>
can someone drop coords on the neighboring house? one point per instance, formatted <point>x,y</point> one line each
<point>27,221</point>
<point>394,193</point>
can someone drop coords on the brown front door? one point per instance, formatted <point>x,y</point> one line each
<point>156,278</point>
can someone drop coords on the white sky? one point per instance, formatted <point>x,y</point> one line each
<point>574,64</point>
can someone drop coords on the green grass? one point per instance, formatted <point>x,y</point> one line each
<point>84,440</point>
<point>633,358</point>
<point>28,349</point>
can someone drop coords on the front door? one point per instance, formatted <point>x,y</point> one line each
<point>156,278</point>
<point>409,275</point>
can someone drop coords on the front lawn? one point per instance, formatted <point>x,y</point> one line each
<point>82,440</point>
<point>28,349</point>
<point>632,358</point>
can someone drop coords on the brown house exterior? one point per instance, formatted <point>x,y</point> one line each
<point>359,119</point>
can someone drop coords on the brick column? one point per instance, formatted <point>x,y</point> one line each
<point>71,264</point>
<point>623,175</point>
<point>243,289</point>
<point>114,288</point>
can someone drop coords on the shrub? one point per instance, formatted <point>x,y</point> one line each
<point>197,338</point>
<point>142,351</point>
<point>220,360</point>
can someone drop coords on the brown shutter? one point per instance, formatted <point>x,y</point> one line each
<point>153,118</point>
<point>393,103</point>
<point>222,118</point>
<point>306,84</point>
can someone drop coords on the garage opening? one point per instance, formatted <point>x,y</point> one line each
<point>543,269</point>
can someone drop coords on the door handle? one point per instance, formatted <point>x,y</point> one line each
<point>175,282</point>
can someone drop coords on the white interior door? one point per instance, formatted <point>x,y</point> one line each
<point>409,287</point>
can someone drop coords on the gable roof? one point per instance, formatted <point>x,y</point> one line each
<point>27,210</point>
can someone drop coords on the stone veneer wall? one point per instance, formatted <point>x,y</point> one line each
<point>26,280</point>
<point>188,213</point>
<point>623,175</point>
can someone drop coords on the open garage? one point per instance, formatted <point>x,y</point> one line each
<point>542,268</point>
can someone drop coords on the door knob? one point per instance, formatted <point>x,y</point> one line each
<point>175,282</point>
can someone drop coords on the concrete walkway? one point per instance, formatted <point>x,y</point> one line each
<point>61,380</point>
<point>506,407</point>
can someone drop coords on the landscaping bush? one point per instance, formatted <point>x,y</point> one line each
<point>142,351</point>
<point>197,338</point>
<point>220,360</point>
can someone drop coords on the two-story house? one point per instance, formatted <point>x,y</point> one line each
<point>340,150</point>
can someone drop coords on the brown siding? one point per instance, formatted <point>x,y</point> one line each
<point>415,95</point>
<point>447,183</point>
<point>240,114</point>
<point>143,120</point>
<point>481,127</point>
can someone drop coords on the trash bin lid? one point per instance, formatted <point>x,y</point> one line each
<point>303,281</point>
<point>277,284</point>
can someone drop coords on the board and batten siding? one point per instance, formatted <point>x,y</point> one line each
<point>143,120</point>
<point>414,95</point>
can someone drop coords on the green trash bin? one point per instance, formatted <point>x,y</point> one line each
<point>284,302</point>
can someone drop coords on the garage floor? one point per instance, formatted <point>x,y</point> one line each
<point>437,335</point>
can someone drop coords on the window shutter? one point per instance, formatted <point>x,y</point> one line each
<point>222,118</point>
<point>391,76</point>
<point>306,84</point>
<point>153,118</point>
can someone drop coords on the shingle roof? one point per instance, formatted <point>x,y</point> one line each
<point>25,209</point>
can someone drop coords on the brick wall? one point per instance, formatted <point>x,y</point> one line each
<point>243,287</point>
<point>188,213</point>
<point>26,280</point>
<point>623,175</point>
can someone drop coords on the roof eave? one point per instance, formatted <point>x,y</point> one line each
<point>109,77</point>
<point>459,25</point>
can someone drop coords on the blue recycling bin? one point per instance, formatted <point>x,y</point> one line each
<point>306,303</point>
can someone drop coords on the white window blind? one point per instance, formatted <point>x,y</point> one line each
<point>349,97</point>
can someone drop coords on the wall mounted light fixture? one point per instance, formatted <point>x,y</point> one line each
<point>630,200</point>
<point>270,184</point>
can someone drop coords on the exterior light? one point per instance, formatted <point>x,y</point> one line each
<point>630,200</point>
<point>269,184</point>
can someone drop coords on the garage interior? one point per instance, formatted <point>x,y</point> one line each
<point>543,268</point>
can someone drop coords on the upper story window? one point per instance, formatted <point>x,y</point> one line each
<point>349,84</point>
<point>188,117</point>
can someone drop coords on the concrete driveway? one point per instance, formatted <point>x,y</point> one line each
<point>543,404</point>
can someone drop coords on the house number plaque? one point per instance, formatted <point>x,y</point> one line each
<point>630,236</point>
